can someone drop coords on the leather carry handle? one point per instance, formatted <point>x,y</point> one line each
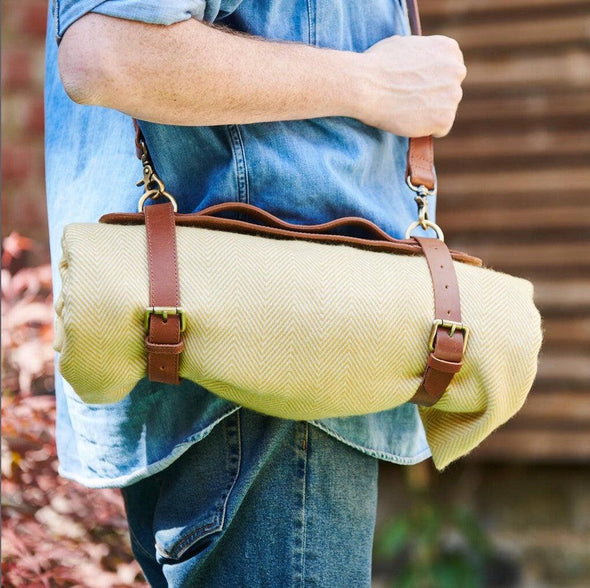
<point>263,223</point>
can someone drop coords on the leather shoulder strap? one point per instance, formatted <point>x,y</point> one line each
<point>420,164</point>
<point>414,16</point>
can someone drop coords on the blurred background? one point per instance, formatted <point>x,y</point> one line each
<point>514,188</point>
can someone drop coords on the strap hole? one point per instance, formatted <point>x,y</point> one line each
<point>448,312</point>
<point>446,286</point>
<point>442,266</point>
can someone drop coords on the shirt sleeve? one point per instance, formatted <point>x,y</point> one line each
<point>165,12</point>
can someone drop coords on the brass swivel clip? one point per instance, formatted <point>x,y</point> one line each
<point>421,199</point>
<point>422,202</point>
<point>153,185</point>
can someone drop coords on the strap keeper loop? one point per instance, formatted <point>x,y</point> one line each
<point>164,348</point>
<point>441,365</point>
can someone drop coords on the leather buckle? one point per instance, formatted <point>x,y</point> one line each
<point>164,312</point>
<point>453,326</point>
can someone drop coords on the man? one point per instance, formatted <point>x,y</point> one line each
<point>299,107</point>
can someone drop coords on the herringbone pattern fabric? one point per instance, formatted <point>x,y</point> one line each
<point>297,330</point>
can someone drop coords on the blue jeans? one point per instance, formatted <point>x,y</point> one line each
<point>260,502</point>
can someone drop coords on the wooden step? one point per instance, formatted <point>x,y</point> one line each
<point>535,446</point>
<point>539,257</point>
<point>449,201</point>
<point>461,8</point>
<point>527,217</point>
<point>564,296</point>
<point>459,146</point>
<point>560,406</point>
<point>569,69</point>
<point>537,107</point>
<point>568,332</point>
<point>531,33</point>
<point>575,180</point>
<point>572,367</point>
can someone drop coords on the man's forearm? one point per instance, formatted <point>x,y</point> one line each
<point>194,74</point>
<point>191,73</point>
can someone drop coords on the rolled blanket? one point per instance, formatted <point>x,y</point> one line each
<point>297,329</point>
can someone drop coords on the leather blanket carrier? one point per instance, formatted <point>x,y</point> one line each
<point>298,322</point>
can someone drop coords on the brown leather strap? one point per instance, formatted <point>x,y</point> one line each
<point>420,163</point>
<point>420,167</point>
<point>138,139</point>
<point>414,16</point>
<point>446,357</point>
<point>163,341</point>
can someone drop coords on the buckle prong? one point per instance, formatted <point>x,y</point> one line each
<point>164,312</point>
<point>453,326</point>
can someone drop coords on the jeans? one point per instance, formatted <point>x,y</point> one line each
<point>260,502</point>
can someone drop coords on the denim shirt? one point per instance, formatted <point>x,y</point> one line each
<point>306,171</point>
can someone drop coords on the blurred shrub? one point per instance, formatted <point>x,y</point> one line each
<point>55,533</point>
<point>437,544</point>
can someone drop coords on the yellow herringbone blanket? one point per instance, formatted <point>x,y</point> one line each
<point>297,330</point>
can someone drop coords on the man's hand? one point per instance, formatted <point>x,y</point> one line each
<point>413,85</point>
<point>191,73</point>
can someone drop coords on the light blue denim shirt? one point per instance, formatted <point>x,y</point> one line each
<point>306,171</point>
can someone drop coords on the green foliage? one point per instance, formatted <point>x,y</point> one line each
<point>435,545</point>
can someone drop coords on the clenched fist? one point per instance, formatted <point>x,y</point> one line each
<point>411,86</point>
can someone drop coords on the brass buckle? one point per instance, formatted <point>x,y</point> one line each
<point>445,324</point>
<point>164,311</point>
